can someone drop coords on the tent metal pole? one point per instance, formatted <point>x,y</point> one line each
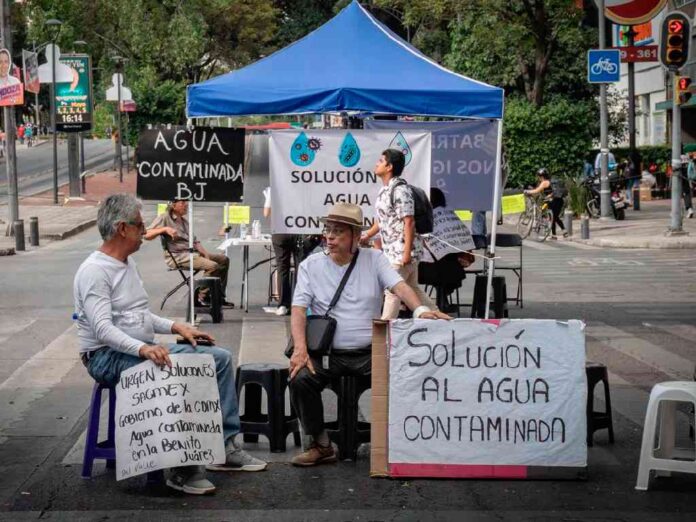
<point>494,215</point>
<point>191,281</point>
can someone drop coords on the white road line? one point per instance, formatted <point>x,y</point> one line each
<point>652,355</point>
<point>684,331</point>
<point>9,329</point>
<point>37,376</point>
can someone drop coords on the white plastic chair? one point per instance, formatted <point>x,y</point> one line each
<point>665,458</point>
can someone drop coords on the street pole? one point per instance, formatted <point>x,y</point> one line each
<point>53,123</point>
<point>10,131</point>
<point>127,145</point>
<point>36,100</point>
<point>118,118</point>
<point>73,165</point>
<point>604,192</point>
<point>632,100</point>
<point>676,218</point>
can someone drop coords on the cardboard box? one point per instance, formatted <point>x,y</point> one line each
<point>380,400</point>
<point>645,194</point>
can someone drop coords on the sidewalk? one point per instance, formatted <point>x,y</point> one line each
<point>644,228</point>
<point>57,222</point>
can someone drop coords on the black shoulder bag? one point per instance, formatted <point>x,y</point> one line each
<point>321,328</point>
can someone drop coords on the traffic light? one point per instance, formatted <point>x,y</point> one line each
<point>683,92</point>
<point>674,41</point>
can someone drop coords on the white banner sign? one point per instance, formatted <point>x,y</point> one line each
<point>469,392</point>
<point>168,417</point>
<point>313,170</point>
<point>449,236</point>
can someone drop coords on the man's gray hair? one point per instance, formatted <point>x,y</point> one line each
<point>117,208</point>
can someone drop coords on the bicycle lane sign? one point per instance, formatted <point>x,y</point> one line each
<point>603,66</point>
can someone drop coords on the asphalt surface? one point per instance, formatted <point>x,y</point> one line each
<point>35,165</point>
<point>645,296</point>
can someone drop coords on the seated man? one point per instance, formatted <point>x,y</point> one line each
<point>359,303</point>
<point>174,224</point>
<point>117,330</point>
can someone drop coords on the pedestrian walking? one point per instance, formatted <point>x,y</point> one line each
<point>553,191</point>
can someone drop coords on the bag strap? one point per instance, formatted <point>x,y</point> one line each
<point>398,182</point>
<point>337,295</point>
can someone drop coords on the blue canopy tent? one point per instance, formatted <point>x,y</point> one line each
<point>351,63</point>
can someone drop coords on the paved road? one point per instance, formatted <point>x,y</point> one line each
<point>641,319</point>
<point>35,165</point>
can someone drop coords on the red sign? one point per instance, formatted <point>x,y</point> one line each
<point>632,12</point>
<point>638,53</point>
<point>128,106</point>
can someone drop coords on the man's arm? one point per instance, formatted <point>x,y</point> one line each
<point>370,232</point>
<point>152,233</point>
<point>408,296</point>
<point>409,232</point>
<point>300,356</point>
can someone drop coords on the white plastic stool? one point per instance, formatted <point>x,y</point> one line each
<point>663,458</point>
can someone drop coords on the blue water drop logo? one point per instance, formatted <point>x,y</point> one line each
<point>301,153</point>
<point>400,143</point>
<point>349,155</point>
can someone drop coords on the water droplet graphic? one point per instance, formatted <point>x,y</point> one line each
<point>300,152</point>
<point>349,155</point>
<point>400,143</point>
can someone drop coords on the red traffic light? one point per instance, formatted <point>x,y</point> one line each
<point>676,26</point>
<point>684,83</point>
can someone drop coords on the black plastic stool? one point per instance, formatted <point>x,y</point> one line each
<point>275,425</point>
<point>499,305</point>
<point>214,296</point>
<point>347,432</point>
<point>597,420</point>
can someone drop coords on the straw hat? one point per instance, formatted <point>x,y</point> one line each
<point>345,213</point>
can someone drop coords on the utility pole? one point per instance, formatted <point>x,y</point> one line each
<point>10,128</point>
<point>675,227</point>
<point>632,100</point>
<point>119,68</point>
<point>604,191</point>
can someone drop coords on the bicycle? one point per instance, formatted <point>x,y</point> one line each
<point>536,220</point>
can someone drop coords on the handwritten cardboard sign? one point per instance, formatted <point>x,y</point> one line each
<point>168,417</point>
<point>204,164</point>
<point>449,236</point>
<point>475,393</point>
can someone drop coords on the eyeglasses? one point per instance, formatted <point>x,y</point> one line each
<point>334,231</point>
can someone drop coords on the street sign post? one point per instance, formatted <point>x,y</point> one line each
<point>74,99</point>
<point>603,65</point>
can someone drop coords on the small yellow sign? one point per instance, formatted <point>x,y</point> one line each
<point>464,215</point>
<point>513,204</point>
<point>238,214</point>
<point>161,208</point>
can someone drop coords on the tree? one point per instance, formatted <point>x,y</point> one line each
<point>528,46</point>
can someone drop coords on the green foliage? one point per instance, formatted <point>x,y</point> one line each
<point>660,155</point>
<point>578,195</point>
<point>556,136</point>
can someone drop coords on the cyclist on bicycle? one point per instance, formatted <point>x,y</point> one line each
<point>553,192</point>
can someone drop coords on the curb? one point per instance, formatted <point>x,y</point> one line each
<point>7,251</point>
<point>59,236</point>
<point>640,242</point>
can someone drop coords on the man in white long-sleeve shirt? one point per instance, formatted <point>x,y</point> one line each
<point>117,330</point>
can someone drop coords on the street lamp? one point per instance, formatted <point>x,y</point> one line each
<point>76,44</point>
<point>53,25</point>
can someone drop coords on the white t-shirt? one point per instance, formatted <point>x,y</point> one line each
<point>360,301</point>
<point>267,197</point>
<point>112,306</point>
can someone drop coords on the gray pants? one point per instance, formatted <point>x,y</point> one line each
<point>305,388</point>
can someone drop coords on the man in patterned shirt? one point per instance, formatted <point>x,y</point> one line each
<point>397,227</point>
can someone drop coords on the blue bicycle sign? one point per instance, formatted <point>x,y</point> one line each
<point>603,66</point>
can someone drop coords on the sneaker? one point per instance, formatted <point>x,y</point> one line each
<point>191,480</point>
<point>316,454</point>
<point>565,235</point>
<point>553,237</point>
<point>238,460</point>
<point>690,213</point>
<point>282,310</point>
<point>227,304</point>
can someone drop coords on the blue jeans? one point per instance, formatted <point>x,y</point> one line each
<point>106,366</point>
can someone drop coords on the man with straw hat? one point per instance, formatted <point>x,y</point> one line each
<point>359,303</point>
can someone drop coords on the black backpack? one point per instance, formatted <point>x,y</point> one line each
<point>558,188</point>
<point>422,209</point>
